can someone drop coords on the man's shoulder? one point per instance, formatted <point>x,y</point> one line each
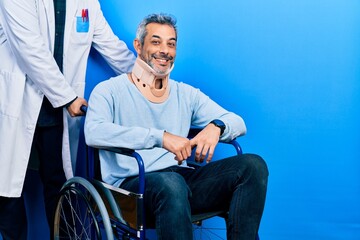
<point>183,87</point>
<point>111,84</point>
<point>180,84</point>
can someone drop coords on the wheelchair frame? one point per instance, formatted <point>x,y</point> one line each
<point>99,213</point>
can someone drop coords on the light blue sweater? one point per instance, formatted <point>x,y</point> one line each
<point>119,116</point>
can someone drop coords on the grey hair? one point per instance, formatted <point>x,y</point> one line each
<point>160,18</point>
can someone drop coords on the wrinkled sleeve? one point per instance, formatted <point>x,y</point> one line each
<point>205,110</point>
<point>20,22</point>
<point>102,131</point>
<point>113,50</point>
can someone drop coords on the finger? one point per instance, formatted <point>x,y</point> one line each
<point>81,113</point>
<point>198,153</point>
<point>188,151</point>
<point>78,113</point>
<point>210,154</point>
<point>185,153</point>
<point>203,155</point>
<point>179,156</point>
<point>193,143</point>
<point>71,113</point>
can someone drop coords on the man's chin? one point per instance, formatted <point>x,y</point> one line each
<point>161,70</point>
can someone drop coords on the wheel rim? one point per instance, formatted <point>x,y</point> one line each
<point>75,216</point>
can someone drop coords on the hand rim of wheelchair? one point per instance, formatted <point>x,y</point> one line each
<point>72,185</point>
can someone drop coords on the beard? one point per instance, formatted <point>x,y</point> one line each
<point>155,67</point>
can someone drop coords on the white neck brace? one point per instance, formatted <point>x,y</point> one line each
<point>144,78</point>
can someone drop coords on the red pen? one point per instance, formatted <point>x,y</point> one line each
<point>83,15</point>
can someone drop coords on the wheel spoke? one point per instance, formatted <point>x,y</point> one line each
<point>75,218</point>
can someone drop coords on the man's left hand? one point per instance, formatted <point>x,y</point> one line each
<point>205,143</point>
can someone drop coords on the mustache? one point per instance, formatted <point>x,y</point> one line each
<point>162,56</point>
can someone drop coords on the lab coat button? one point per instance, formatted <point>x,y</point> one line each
<point>30,127</point>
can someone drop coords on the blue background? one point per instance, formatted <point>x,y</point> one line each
<point>291,70</point>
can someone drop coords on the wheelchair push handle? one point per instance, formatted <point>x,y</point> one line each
<point>83,108</point>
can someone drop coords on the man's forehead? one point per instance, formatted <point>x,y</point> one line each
<point>161,31</point>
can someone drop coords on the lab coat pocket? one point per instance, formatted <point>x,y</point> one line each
<point>81,34</point>
<point>82,26</point>
<point>82,29</point>
<point>12,87</point>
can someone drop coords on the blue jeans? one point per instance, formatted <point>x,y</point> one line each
<point>237,184</point>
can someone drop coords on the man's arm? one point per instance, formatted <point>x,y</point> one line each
<point>205,111</point>
<point>103,122</point>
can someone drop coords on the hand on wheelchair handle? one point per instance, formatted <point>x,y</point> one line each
<point>74,108</point>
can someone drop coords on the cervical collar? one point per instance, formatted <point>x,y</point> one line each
<point>144,77</point>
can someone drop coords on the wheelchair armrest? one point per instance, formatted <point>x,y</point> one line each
<point>139,160</point>
<point>119,150</point>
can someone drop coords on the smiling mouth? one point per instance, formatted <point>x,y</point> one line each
<point>162,59</point>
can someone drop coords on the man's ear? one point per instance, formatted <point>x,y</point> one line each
<point>137,46</point>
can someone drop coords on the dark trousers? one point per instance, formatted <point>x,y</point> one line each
<point>13,224</point>
<point>236,184</point>
<point>48,145</point>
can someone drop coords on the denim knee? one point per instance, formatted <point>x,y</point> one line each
<point>171,189</point>
<point>257,166</point>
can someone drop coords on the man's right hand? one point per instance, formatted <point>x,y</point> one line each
<point>74,108</point>
<point>179,146</point>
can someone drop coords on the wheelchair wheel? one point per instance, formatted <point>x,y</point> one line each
<point>81,213</point>
<point>209,233</point>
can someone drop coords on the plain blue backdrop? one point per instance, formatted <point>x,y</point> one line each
<point>291,70</point>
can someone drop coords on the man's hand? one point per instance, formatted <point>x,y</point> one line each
<point>205,142</point>
<point>180,146</point>
<point>74,108</point>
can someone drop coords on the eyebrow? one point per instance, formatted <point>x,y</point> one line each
<point>156,36</point>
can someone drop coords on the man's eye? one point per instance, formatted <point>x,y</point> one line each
<point>155,42</point>
<point>171,44</point>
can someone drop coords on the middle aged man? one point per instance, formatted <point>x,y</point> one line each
<point>149,112</point>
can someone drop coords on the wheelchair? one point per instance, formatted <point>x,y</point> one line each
<point>88,208</point>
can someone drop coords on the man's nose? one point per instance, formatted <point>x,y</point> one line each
<point>164,48</point>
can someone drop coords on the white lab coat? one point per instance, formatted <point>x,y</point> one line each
<point>28,71</point>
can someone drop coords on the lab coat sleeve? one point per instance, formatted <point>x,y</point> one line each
<point>114,50</point>
<point>34,56</point>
